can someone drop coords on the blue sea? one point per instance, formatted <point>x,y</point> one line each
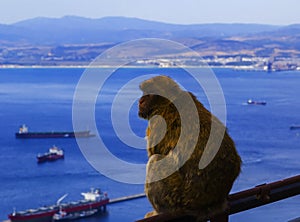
<point>43,99</point>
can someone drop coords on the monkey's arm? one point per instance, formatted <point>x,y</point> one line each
<point>162,187</point>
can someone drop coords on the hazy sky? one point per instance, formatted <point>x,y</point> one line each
<point>281,12</point>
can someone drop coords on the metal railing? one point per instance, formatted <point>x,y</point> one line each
<point>241,201</point>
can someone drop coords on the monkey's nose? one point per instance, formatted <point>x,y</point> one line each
<point>142,100</point>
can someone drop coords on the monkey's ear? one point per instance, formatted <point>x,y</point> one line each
<point>161,85</point>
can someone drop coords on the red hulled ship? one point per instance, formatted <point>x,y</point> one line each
<point>95,199</point>
<point>53,154</point>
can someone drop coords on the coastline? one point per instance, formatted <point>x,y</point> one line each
<point>238,68</point>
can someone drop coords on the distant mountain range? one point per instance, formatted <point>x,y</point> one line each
<point>71,37</point>
<point>78,30</point>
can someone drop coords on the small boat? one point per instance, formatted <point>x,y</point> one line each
<point>53,154</point>
<point>252,102</point>
<point>62,215</point>
<point>294,127</point>
<point>24,133</point>
<point>92,201</point>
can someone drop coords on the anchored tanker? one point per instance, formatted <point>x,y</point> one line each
<point>94,202</point>
<point>24,133</point>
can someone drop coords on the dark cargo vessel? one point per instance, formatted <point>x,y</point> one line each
<point>25,134</point>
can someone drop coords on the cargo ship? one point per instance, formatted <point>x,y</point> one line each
<point>294,127</point>
<point>252,102</point>
<point>25,134</point>
<point>93,200</point>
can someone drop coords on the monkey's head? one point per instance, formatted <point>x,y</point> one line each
<point>157,92</point>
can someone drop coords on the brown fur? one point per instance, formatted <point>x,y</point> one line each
<point>189,190</point>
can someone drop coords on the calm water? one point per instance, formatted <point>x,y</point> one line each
<point>42,98</point>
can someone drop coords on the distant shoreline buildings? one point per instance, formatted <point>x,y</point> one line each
<point>224,61</point>
<point>46,42</point>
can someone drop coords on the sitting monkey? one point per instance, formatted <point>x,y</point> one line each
<point>188,189</point>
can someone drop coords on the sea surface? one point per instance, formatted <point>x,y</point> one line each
<point>42,98</point>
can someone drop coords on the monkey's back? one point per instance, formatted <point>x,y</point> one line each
<point>190,189</point>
